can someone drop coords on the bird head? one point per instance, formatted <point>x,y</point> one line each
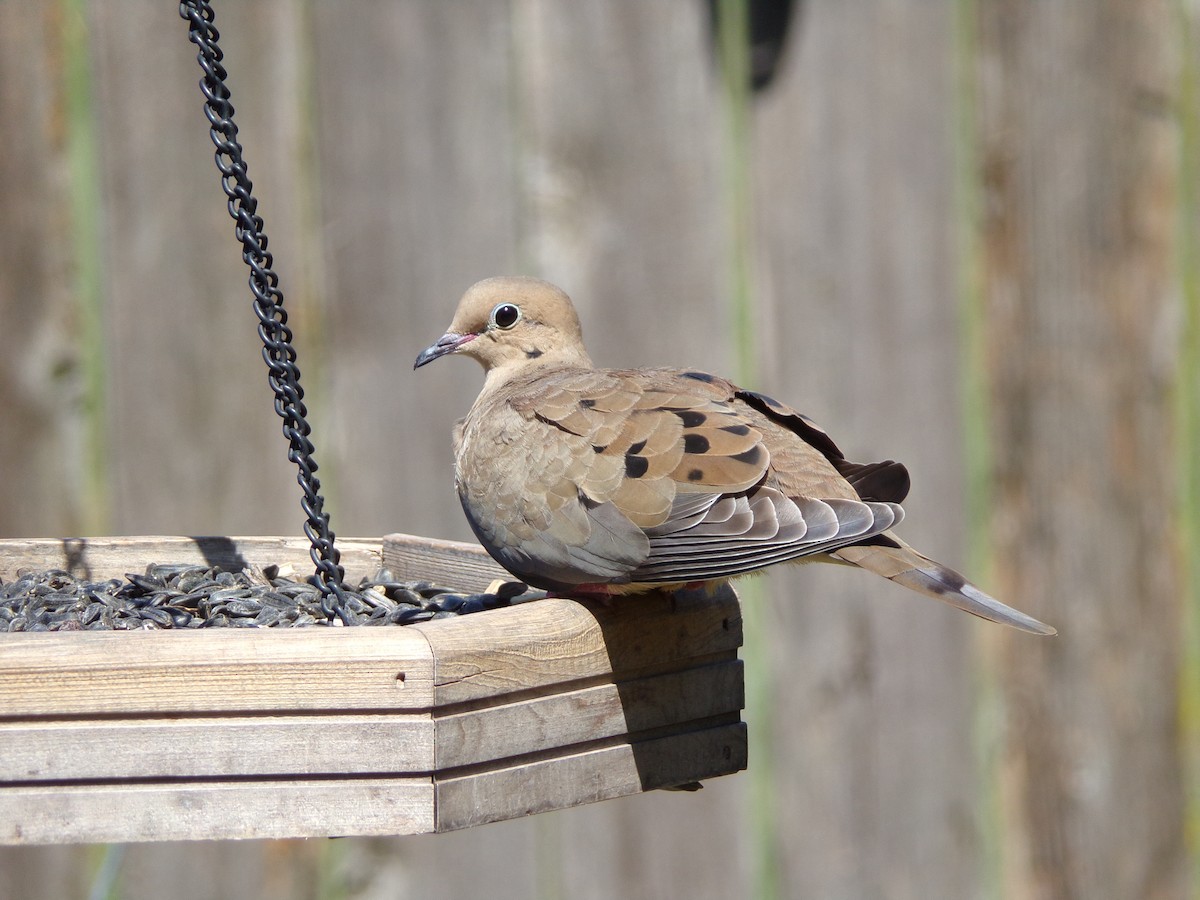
<point>511,322</point>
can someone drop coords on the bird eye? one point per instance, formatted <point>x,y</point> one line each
<point>505,316</point>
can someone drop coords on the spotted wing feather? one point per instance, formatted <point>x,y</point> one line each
<point>685,461</point>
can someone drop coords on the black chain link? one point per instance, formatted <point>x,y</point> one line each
<point>278,351</point>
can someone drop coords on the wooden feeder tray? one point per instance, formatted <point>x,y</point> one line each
<point>318,731</point>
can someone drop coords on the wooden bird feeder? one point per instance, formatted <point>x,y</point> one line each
<point>318,731</point>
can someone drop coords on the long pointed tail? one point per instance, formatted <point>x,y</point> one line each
<point>904,565</point>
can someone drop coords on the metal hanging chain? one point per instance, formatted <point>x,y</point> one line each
<point>278,351</point>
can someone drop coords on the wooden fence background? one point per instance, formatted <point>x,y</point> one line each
<point>973,247</point>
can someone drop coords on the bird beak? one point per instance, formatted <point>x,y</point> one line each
<point>446,344</point>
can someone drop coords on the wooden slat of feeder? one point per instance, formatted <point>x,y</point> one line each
<point>362,744</point>
<point>366,806</point>
<point>589,775</point>
<point>61,814</point>
<point>525,647</point>
<point>409,557</point>
<point>111,557</point>
<point>218,747</point>
<point>214,670</point>
<point>605,710</point>
<point>412,558</point>
<point>548,642</point>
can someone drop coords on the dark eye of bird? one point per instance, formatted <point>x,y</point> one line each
<point>506,315</point>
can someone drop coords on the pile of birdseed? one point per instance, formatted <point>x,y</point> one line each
<point>188,596</point>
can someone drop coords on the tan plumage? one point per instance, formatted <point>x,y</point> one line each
<point>601,481</point>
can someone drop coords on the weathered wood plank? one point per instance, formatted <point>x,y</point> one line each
<point>367,806</point>
<point>221,810</point>
<point>1081,302</point>
<point>410,557</point>
<point>190,453</point>
<point>589,776</point>
<point>375,743</point>
<point>218,670</point>
<point>48,383</point>
<point>217,747</point>
<point>112,557</point>
<point>870,709</point>
<point>419,95</point>
<point>604,710</point>
<point>551,641</point>
<point>454,563</point>
<point>43,293</point>
<point>487,654</point>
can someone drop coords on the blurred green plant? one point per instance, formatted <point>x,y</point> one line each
<point>733,53</point>
<point>83,162</point>
<point>83,166</point>
<point>988,712</point>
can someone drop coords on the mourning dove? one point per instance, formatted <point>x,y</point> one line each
<point>593,482</point>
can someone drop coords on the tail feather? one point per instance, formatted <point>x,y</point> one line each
<point>904,565</point>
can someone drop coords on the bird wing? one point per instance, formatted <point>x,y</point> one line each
<point>650,476</point>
